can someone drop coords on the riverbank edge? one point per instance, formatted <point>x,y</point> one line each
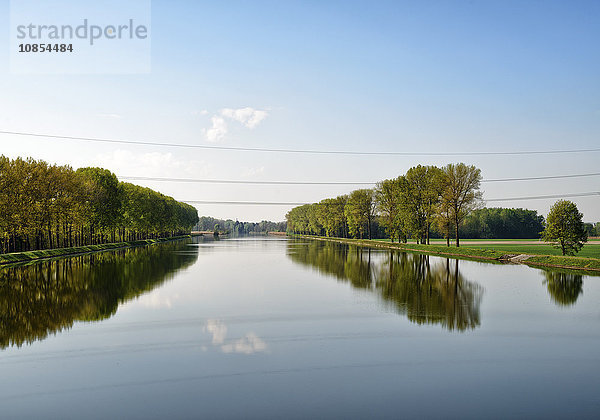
<point>487,255</point>
<point>29,256</point>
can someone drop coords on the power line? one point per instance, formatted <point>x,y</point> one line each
<point>298,151</point>
<point>250,203</point>
<point>240,181</point>
<point>533,178</point>
<point>246,182</point>
<point>541,197</point>
<point>276,203</point>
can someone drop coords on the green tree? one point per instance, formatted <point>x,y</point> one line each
<point>104,200</point>
<point>493,223</point>
<point>564,227</point>
<point>360,211</point>
<point>461,192</point>
<point>48,206</point>
<point>387,196</point>
<point>330,215</point>
<point>444,220</point>
<point>313,219</point>
<point>297,219</point>
<point>424,187</point>
<point>589,228</point>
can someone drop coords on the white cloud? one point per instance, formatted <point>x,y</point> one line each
<point>218,129</point>
<point>249,117</point>
<point>218,330</point>
<point>248,344</point>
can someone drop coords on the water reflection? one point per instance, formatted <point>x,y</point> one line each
<point>564,288</point>
<point>47,297</point>
<point>426,293</point>
<point>248,344</point>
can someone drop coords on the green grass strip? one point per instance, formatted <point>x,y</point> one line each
<point>572,263</point>
<point>22,257</point>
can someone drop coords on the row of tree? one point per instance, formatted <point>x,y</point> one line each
<point>46,206</point>
<point>592,229</point>
<point>235,227</point>
<point>407,206</point>
<point>494,223</point>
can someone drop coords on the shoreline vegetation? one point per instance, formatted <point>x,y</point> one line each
<point>44,254</point>
<point>430,202</point>
<point>487,255</point>
<point>44,206</point>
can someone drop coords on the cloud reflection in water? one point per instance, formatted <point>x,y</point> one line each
<point>248,344</point>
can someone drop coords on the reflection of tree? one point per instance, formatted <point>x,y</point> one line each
<point>564,288</point>
<point>345,263</point>
<point>358,268</point>
<point>427,293</point>
<point>49,296</point>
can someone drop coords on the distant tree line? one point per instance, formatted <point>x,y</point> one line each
<point>234,227</point>
<point>427,202</point>
<point>494,223</point>
<point>592,229</point>
<point>46,206</point>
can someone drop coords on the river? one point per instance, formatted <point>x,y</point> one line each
<point>277,328</point>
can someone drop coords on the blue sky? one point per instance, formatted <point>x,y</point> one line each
<point>404,76</point>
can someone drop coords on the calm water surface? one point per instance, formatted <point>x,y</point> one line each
<point>276,328</point>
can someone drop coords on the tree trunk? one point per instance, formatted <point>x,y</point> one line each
<point>456,230</point>
<point>50,236</point>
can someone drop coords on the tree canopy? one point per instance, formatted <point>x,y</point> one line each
<point>400,208</point>
<point>461,192</point>
<point>360,211</point>
<point>235,227</point>
<point>494,223</point>
<point>47,206</point>
<point>564,227</point>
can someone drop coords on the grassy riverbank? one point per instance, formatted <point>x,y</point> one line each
<point>23,257</point>
<point>520,246</point>
<point>487,253</point>
<point>590,250</point>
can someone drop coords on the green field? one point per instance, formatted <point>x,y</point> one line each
<point>589,250</point>
<point>443,241</point>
